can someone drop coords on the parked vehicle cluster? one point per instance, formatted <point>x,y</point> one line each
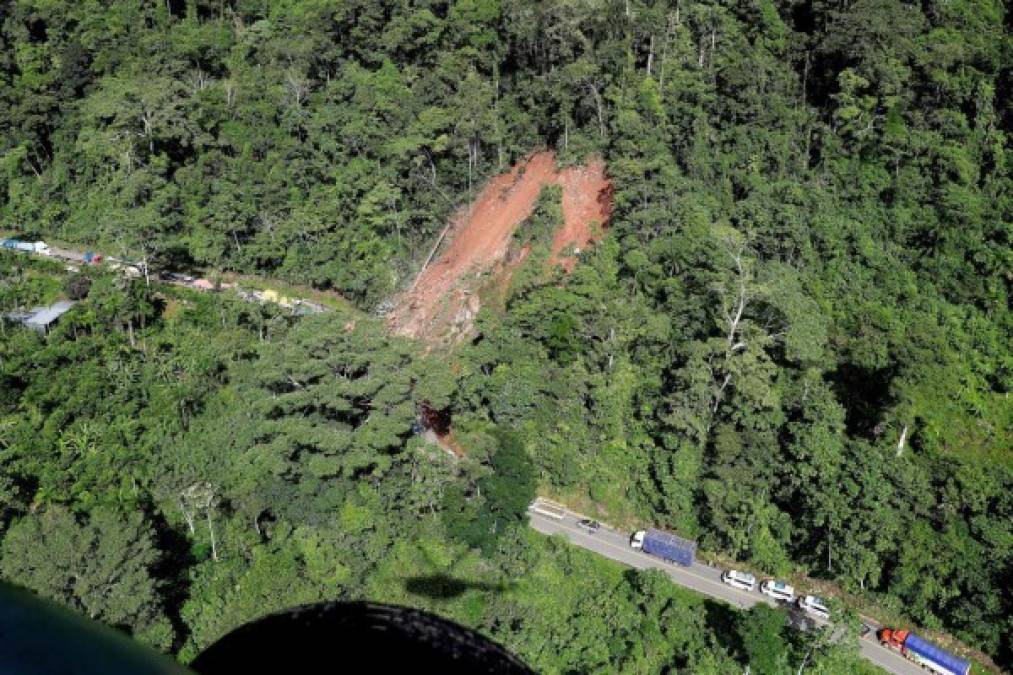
<point>135,270</point>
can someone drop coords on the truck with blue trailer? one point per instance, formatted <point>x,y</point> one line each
<point>923,652</point>
<point>665,545</point>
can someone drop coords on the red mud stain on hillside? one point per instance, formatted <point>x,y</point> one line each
<point>443,302</point>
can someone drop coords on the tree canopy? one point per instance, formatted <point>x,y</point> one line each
<point>791,344</point>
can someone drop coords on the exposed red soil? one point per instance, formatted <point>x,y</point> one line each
<point>450,444</point>
<point>442,304</point>
<point>587,205</point>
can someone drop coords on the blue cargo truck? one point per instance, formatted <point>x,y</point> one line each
<point>923,652</point>
<point>664,545</point>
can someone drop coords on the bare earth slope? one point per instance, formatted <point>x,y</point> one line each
<point>443,302</point>
<point>587,204</point>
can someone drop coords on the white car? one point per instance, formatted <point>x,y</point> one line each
<point>778,590</point>
<point>814,606</point>
<point>741,580</point>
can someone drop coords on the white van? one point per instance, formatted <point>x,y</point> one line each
<point>815,606</point>
<point>743,580</point>
<point>778,590</point>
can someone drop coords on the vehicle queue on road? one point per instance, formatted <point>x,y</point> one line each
<point>682,551</point>
<point>674,549</point>
<point>780,591</point>
<point>678,550</point>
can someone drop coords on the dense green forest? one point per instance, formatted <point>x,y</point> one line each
<point>793,344</point>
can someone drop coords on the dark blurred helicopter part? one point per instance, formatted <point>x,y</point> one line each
<point>356,637</point>
<point>37,637</point>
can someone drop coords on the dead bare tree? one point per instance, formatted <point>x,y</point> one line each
<point>599,106</point>
<point>297,87</point>
<point>200,496</point>
<point>735,297</point>
<point>902,441</point>
<point>735,300</point>
<point>197,81</point>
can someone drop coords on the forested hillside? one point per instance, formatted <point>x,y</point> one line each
<point>793,344</point>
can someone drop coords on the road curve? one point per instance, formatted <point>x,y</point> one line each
<point>701,578</point>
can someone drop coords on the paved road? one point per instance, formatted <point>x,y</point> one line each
<point>700,578</point>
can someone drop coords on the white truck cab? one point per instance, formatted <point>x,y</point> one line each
<point>741,580</point>
<point>778,590</point>
<point>637,540</point>
<point>814,606</point>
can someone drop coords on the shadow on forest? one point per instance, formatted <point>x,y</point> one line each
<point>865,395</point>
<point>799,621</point>
<point>723,622</point>
<point>172,571</point>
<point>444,587</point>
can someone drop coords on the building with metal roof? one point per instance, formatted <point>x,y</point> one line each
<point>42,318</point>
